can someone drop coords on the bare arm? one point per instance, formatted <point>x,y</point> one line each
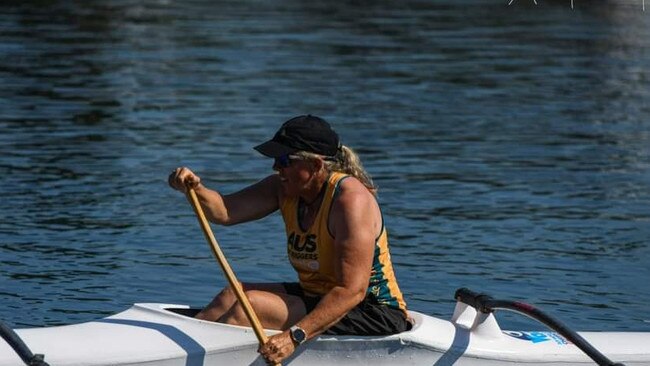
<point>355,223</point>
<point>250,203</point>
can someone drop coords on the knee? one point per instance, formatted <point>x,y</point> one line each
<point>255,298</point>
<point>229,291</point>
<point>237,314</point>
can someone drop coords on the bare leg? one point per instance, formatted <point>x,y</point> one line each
<point>274,310</point>
<point>226,299</point>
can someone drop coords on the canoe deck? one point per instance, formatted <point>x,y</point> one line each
<point>166,335</point>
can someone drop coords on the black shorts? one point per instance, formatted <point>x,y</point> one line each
<point>368,318</point>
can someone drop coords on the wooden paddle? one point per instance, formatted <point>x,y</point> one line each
<point>230,275</point>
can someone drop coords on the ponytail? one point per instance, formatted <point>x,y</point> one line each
<point>348,162</point>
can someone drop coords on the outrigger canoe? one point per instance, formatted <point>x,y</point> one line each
<point>167,335</point>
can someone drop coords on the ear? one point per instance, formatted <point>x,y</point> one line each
<point>318,164</point>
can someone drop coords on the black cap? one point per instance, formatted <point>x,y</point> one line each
<point>302,133</point>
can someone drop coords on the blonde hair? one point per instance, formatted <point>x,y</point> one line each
<point>346,161</point>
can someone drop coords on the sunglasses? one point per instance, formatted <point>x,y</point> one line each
<point>285,160</point>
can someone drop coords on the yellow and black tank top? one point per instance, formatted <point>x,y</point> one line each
<point>311,251</point>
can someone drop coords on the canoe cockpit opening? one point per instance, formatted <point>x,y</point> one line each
<point>414,319</point>
<point>184,311</point>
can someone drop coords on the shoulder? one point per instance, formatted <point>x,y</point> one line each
<point>273,184</point>
<point>269,183</point>
<point>355,214</point>
<point>355,202</point>
<point>351,191</point>
<point>272,180</point>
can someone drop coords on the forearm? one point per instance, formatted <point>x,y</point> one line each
<point>213,205</point>
<point>332,308</point>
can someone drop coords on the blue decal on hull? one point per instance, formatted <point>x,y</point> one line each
<point>537,337</point>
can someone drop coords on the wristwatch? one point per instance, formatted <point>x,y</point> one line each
<point>298,335</point>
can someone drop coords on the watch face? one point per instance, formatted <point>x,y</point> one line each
<point>298,335</point>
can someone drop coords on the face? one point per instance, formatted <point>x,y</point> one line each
<point>295,174</point>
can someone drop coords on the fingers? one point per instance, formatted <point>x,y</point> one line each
<point>181,178</point>
<point>277,348</point>
<point>272,356</point>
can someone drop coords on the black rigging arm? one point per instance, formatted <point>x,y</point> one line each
<point>486,304</point>
<point>20,347</point>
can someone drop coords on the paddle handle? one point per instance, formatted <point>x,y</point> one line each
<point>230,275</point>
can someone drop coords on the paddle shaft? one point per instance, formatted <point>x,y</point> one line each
<point>230,275</point>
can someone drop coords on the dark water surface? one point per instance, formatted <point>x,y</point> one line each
<point>511,145</point>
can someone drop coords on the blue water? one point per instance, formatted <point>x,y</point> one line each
<point>511,145</point>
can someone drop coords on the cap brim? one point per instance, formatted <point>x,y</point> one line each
<point>273,149</point>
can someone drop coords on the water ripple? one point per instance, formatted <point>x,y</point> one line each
<point>510,144</point>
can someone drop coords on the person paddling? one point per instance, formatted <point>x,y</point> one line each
<point>336,242</point>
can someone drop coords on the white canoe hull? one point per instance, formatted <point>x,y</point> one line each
<point>147,334</point>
